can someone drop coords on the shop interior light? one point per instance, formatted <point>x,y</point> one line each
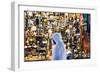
<point>66,14</point>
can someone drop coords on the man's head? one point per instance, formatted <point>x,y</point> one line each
<point>56,37</point>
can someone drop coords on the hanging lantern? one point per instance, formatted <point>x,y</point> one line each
<point>33,28</point>
<point>30,13</point>
<point>81,17</point>
<point>50,32</point>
